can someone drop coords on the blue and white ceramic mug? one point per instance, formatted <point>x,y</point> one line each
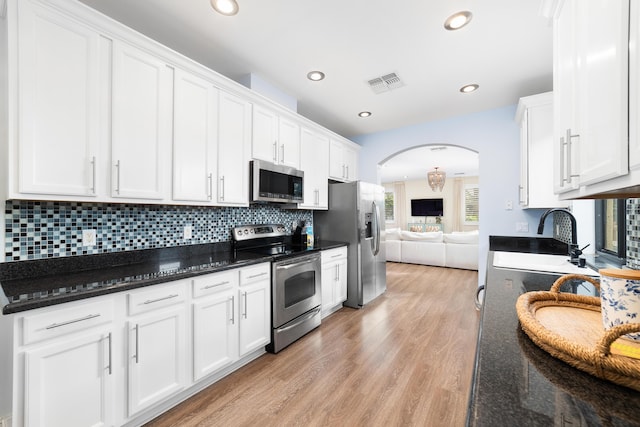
<point>620,298</point>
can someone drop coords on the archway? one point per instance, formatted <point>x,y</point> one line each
<point>411,201</point>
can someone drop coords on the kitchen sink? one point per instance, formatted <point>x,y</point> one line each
<point>540,262</point>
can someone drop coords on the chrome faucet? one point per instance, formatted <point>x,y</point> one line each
<point>574,251</point>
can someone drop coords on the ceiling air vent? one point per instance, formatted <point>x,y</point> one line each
<point>385,83</point>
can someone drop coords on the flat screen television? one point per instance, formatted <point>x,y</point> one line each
<point>426,207</point>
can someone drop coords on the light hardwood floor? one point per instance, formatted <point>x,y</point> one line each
<point>406,359</point>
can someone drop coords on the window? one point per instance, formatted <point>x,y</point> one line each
<point>389,206</point>
<point>471,204</point>
<point>610,228</point>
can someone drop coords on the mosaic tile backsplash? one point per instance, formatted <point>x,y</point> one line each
<point>633,233</point>
<point>36,230</point>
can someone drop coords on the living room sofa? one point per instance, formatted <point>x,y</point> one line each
<point>454,250</point>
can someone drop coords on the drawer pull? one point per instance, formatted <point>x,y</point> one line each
<point>151,301</point>
<point>257,275</point>
<point>226,282</point>
<point>68,322</point>
<point>233,310</point>
<point>336,256</point>
<point>110,355</point>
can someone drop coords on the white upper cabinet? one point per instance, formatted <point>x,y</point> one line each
<point>58,68</point>
<point>342,161</point>
<point>141,127</point>
<point>234,138</point>
<point>591,91</point>
<point>634,88</point>
<point>314,162</point>
<point>194,138</point>
<point>275,138</point>
<point>535,114</point>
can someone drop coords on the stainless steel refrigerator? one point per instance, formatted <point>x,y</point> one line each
<point>356,215</point>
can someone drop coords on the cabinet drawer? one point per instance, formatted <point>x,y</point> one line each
<point>212,283</point>
<point>333,254</point>
<point>156,297</point>
<point>255,273</point>
<point>65,319</point>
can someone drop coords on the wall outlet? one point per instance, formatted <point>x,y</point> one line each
<point>508,205</point>
<point>88,238</point>
<point>522,227</point>
<point>187,233</point>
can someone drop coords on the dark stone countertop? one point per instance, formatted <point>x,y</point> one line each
<point>26,285</point>
<point>518,384</point>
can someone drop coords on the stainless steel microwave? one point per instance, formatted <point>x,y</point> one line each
<point>275,183</point>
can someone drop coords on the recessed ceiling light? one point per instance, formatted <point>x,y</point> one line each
<point>364,113</point>
<point>225,7</point>
<point>458,20</point>
<point>315,75</point>
<point>469,88</point>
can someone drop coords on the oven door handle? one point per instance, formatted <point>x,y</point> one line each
<point>307,260</point>
<point>302,319</point>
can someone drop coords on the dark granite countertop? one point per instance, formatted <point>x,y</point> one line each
<point>26,285</point>
<point>518,384</point>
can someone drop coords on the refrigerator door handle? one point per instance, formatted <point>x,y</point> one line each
<point>375,243</point>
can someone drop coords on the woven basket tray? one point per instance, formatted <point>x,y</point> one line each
<point>569,327</point>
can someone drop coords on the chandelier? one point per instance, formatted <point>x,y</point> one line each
<point>436,179</point>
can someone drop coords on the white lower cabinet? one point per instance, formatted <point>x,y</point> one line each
<point>70,376</point>
<point>157,357</point>
<point>255,311</point>
<point>215,322</point>
<point>124,358</point>
<point>66,366</point>
<point>334,279</point>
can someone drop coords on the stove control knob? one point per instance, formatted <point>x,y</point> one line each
<point>251,230</point>
<point>246,231</point>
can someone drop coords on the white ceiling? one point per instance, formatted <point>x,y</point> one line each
<point>506,49</point>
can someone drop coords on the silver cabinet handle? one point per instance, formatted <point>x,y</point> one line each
<point>118,177</point>
<point>244,314</point>
<point>222,187</point>
<point>226,282</point>
<point>347,172</point>
<point>336,256</point>
<point>68,322</point>
<point>317,197</point>
<point>282,153</point>
<point>343,174</point>
<point>93,174</point>
<point>337,273</point>
<point>569,145</point>
<point>275,152</point>
<point>110,354</point>
<point>563,168</point>
<point>257,275</point>
<point>210,181</point>
<point>151,301</point>
<point>233,310</point>
<point>137,355</point>
<point>521,200</point>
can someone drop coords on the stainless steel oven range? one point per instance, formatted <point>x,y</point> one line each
<point>296,295</point>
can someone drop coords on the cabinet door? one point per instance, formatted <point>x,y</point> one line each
<point>70,382</point>
<point>157,357</point>
<point>342,281</point>
<point>234,126</point>
<point>329,277</point>
<point>351,164</point>
<point>336,161</point>
<point>58,116</point>
<point>141,128</point>
<point>604,53</point>
<point>255,316</point>
<point>523,188</point>
<point>264,143</point>
<point>565,105</point>
<point>194,138</point>
<point>314,161</point>
<point>215,333</point>
<point>634,86</point>
<point>289,142</point>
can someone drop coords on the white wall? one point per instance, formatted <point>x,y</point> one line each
<point>495,135</point>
